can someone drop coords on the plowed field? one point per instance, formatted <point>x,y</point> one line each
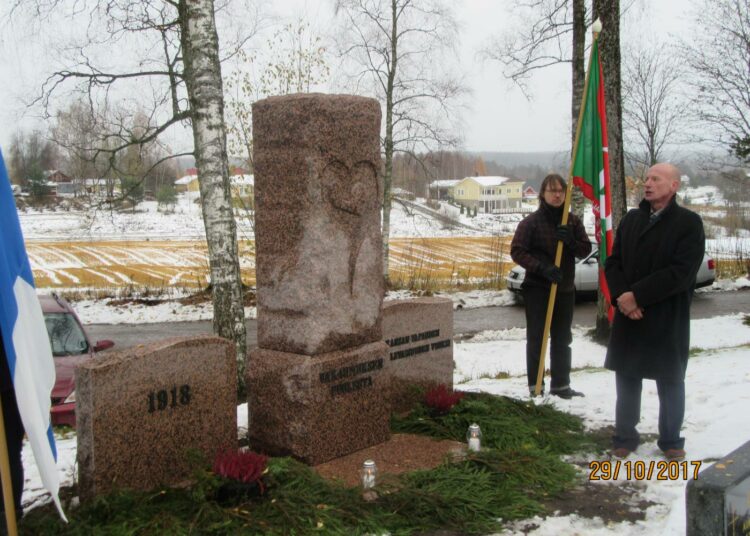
<point>159,264</point>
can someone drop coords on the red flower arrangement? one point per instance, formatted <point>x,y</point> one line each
<point>440,400</point>
<point>240,465</point>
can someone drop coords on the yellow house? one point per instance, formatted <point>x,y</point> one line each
<point>188,183</point>
<point>442,189</point>
<point>489,194</point>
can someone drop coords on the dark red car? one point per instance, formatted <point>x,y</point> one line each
<point>70,345</point>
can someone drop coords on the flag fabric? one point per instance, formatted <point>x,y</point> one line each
<point>591,167</point>
<point>26,342</point>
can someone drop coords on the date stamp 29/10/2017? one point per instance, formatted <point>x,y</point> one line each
<point>644,470</point>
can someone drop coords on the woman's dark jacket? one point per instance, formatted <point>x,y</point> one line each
<point>657,261</point>
<point>534,246</point>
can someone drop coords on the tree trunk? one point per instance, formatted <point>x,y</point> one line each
<point>609,51</point>
<point>388,142</point>
<point>578,71</point>
<point>200,45</point>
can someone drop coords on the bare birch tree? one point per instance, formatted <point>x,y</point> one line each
<point>168,55</point>
<point>718,54</point>
<point>549,32</point>
<point>652,107</point>
<point>202,75</point>
<point>397,48</point>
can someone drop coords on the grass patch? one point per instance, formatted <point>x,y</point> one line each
<point>507,424</point>
<point>518,469</point>
<point>731,268</point>
<point>588,368</point>
<point>500,375</point>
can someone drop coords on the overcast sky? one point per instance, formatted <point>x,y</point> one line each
<point>497,117</point>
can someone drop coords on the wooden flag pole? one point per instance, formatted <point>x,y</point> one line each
<point>8,502</point>
<point>566,209</point>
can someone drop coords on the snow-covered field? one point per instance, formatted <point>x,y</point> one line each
<point>718,401</point>
<point>702,195</point>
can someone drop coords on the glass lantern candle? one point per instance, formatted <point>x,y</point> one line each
<point>369,471</point>
<point>474,438</point>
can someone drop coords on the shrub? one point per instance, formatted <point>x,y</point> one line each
<point>166,196</point>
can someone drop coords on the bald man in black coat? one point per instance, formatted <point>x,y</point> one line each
<point>651,273</point>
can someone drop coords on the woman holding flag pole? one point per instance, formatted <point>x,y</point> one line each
<point>533,247</point>
<point>589,170</point>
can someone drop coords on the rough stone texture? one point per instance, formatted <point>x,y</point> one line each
<point>419,333</point>
<point>706,497</point>
<point>317,409</point>
<point>127,438</point>
<point>317,202</point>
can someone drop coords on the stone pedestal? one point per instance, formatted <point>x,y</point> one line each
<point>320,408</point>
<point>141,411</point>
<point>419,333</point>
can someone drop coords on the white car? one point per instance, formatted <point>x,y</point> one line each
<point>587,274</point>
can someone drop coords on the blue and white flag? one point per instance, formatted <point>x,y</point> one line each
<point>26,342</point>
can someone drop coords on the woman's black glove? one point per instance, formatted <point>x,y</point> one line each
<point>552,273</point>
<point>565,233</point>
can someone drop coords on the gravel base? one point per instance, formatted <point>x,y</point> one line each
<point>400,454</point>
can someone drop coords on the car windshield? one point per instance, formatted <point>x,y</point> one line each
<point>65,335</point>
<point>593,255</point>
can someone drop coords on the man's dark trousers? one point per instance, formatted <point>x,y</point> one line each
<point>536,300</point>
<point>628,412</point>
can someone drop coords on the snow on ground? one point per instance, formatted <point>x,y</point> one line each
<point>185,223</point>
<point>715,423</point>
<point>727,284</point>
<point>100,312</point>
<point>408,222</point>
<point>731,247</point>
<point>92,311</point>
<point>702,195</point>
<point>716,416</point>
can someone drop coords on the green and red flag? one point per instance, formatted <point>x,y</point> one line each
<point>591,164</point>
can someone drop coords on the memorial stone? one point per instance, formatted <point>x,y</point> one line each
<point>419,333</point>
<point>317,384</point>
<point>142,410</point>
<point>317,198</point>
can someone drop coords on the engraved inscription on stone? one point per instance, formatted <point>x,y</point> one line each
<point>416,350</point>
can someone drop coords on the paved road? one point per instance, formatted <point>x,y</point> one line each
<point>466,321</point>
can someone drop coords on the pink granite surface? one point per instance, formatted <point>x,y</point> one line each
<point>139,411</point>
<point>419,333</point>
<point>317,199</point>
<point>318,408</point>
